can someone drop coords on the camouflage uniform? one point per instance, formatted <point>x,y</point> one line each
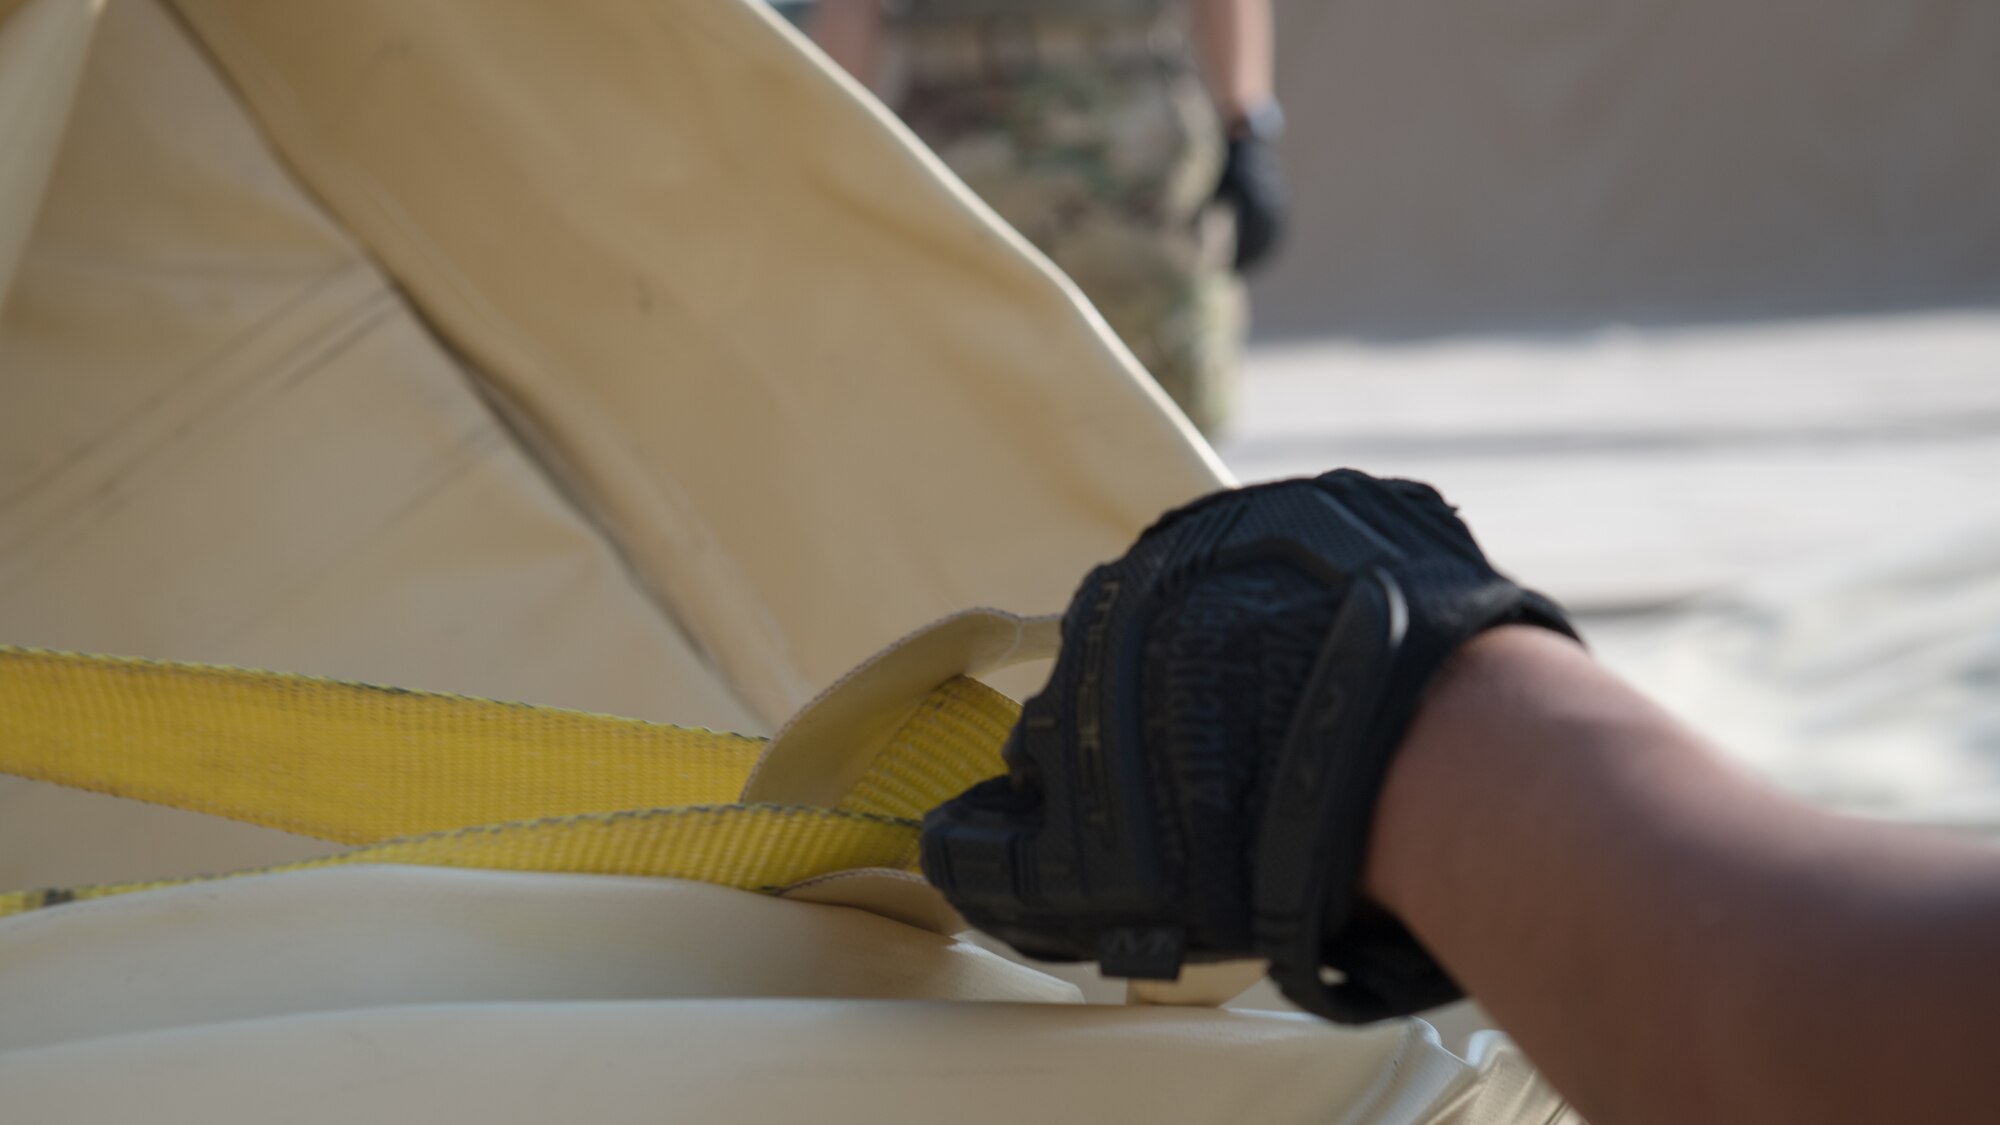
<point>1104,156</point>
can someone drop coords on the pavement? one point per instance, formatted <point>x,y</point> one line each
<point>1625,471</point>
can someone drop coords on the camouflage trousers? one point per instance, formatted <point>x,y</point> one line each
<point>1109,172</point>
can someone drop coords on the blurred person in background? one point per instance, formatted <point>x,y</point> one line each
<point>1087,125</point>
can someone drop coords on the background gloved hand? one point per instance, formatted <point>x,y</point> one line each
<point>1198,779</point>
<point>1254,187</point>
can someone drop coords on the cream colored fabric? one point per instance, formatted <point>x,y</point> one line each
<point>228,439</point>
<point>817,394</point>
<point>776,1060</point>
<point>838,1062</point>
<point>314,941</point>
<point>785,392</point>
<point>903,896</point>
<point>41,62</point>
<point>829,743</point>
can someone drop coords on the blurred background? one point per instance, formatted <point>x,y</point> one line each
<point>1694,308</point>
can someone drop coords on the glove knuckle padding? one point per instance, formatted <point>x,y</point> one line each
<point>1198,778</point>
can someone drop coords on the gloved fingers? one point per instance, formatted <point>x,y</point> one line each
<point>972,843</point>
<point>1416,491</point>
<point>1259,227</point>
<point>1254,189</point>
<point>1195,779</point>
<point>1409,512</point>
<point>1408,495</point>
<point>1437,515</point>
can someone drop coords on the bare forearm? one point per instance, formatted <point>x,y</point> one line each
<point>848,31</point>
<point>1668,938</point>
<point>1234,39</point>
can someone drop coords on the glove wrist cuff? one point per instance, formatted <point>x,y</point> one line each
<point>1263,121</point>
<point>1332,952</point>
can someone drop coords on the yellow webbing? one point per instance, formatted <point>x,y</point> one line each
<point>444,780</point>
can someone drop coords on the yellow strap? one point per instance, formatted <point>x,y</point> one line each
<point>751,847</point>
<point>339,761</point>
<point>445,780</point>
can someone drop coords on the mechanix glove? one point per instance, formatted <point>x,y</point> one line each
<point>1198,779</point>
<point>1254,188</point>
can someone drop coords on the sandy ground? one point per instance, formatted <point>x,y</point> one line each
<point>1626,470</point>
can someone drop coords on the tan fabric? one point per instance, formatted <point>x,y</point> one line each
<point>826,747</point>
<point>236,443</point>
<point>41,63</point>
<point>227,439</point>
<point>395,995</point>
<point>313,941</point>
<point>826,1061</point>
<point>744,320</point>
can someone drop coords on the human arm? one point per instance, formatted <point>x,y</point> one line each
<point>1233,39</point>
<point>1333,662</point>
<point>849,31</point>
<point>1668,938</point>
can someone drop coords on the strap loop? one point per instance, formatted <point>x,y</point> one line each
<point>422,778</point>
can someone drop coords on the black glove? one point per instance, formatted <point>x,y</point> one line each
<point>1254,188</point>
<point>1198,779</point>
